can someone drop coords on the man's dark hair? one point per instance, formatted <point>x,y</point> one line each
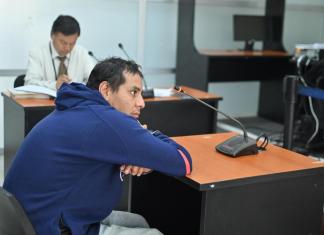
<point>66,25</point>
<point>112,70</point>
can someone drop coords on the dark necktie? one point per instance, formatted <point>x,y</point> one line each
<point>62,68</point>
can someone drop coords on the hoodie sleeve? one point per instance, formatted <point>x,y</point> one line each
<point>182,151</point>
<point>120,139</point>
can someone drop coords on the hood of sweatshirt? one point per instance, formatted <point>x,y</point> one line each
<point>77,94</point>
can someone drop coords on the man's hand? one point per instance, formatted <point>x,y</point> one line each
<point>61,79</point>
<point>134,170</point>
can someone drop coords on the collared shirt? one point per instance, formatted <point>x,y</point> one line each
<point>43,65</point>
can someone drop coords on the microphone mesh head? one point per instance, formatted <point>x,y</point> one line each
<point>178,88</point>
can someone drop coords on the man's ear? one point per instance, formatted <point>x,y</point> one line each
<point>104,89</point>
<point>52,36</point>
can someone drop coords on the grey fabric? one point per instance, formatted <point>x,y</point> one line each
<point>118,230</point>
<point>126,219</point>
<point>125,223</point>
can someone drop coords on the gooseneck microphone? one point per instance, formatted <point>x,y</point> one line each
<point>146,93</point>
<point>235,146</point>
<point>125,52</point>
<point>93,56</point>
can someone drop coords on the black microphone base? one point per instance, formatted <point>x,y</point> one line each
<point>148,93</point>
<point>236,146</point>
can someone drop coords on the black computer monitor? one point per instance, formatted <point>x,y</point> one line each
<point>249,28</point>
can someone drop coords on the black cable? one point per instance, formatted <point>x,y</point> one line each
<point>272,137</point>
<point>264,142</point>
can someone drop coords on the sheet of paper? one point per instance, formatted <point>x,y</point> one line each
<point>36,89</point>
<point>163,92</point>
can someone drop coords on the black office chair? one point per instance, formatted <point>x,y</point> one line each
<point>19,81</point>
<point>13,220</point>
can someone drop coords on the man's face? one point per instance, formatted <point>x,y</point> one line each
<point>128,98</point>
<point>64,44</point>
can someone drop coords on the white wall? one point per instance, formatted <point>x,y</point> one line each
<point>104,23</point>
<point>240,99</point>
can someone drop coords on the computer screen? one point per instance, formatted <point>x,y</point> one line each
<point>249,28</point>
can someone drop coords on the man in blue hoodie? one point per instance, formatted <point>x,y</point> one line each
<point>67,172</point>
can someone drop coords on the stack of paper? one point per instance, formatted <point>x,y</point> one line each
<point>163,92</point>
<point>32,91</point>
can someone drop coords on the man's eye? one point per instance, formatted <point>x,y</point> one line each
<point>133,93</point>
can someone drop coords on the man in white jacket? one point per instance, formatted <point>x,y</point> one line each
<point>61,60</point>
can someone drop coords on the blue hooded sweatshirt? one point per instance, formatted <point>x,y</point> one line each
<point>68,165</point>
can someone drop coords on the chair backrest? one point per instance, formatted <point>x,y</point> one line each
<point>13,220</point>
<point>19,81</point>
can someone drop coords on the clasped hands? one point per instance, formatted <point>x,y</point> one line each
<point>134,170</point>
<point>61,79</point>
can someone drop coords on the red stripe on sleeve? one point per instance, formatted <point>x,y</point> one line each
<point>185,161</point>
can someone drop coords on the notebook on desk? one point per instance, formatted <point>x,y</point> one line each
<point>32,92</point>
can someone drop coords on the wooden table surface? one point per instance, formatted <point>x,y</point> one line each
<point>28,103</point>
<point>210,166</point>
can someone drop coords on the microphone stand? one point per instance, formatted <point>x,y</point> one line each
<point>146,93</point>
<point>93,56</point>
<point>235,146</point>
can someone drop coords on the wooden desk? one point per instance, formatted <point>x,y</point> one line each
<point>197,67</point>
<point>172,115</point>
<point>241,53</point>
<point>274,192</point>
<point>268,67</point>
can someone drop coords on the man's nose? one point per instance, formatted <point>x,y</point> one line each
<point>67,48</point>
<point>140,102</point>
